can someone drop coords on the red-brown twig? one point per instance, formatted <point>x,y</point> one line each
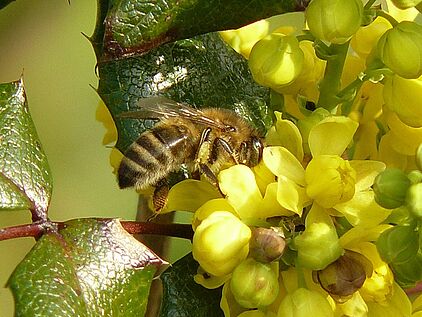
<point>415,290</point>
<point>172,230</point>
<point>36,229</point>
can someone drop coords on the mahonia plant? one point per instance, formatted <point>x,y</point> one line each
<point>331,216</point>
<point>327,224</point>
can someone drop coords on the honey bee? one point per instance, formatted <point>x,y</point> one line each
<point>203,139</point>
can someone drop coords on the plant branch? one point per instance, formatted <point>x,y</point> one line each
<point>414,290</point>
<point>35,230</point>
<point>330,85</point>
<point>176,230</point>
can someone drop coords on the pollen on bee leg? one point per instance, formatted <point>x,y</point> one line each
<point>160,197</point>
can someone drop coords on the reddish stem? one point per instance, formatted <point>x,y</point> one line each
<point>172,230</point>
<point>36,229</point>
<point>415,290</point>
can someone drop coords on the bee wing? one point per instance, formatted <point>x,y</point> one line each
<point>161,107</point>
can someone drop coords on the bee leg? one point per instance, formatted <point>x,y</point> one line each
<point>205,169</point>
<point>226,147</point>
<point>161,192</point>
<point>196,175</point>
<point>202,141</point>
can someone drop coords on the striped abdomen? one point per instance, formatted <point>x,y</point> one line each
<point>155,154</point>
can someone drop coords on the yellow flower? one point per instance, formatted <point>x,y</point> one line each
<point>330,136</point>
<point>318,245</point>
<point>403,97</point>
<point>220,243</point>
<point>367,37</point>
<point>243,39</point>
<point>336,184</point>
<point>303,303</point>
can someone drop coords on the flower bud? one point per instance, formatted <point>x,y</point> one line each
<point>254,284</point>
<point>334,21</point>
<point>276,60</point>
<point>400,49</point>
<point>330,180</point>
<point>405,4</point>
<point>344,276</point>
<point>304,303</point>
<point>317,246</point>
<point>398,244</point>
<point>414,200</point>
<point>220,243</point>
<point>390,188</point>
<point>266,244</point>
<point>415,176</point>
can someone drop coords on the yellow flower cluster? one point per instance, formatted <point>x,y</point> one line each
<point>296,235</point>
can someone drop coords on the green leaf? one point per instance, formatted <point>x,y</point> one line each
<point>25,179</point>
<point>4,3</point>
<point>183,297</point>
<point>202,72</point>
<point>134,27</point>
<point>89,268</point>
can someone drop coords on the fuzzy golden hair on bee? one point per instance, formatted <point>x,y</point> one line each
<point>206,139</point>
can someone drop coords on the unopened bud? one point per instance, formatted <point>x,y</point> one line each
<point>334,21</point>
<point>266,244</point>
<point>276,60</point>
<point>344,276</point>
<point>405,4</point>
<point>254,284</point>
<point>414,200</point>
<point>390,188</point>
<point>400,48</point>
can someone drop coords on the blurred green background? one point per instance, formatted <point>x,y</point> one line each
<point>42,39</point>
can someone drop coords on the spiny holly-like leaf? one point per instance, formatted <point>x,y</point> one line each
<point>25,179</point>
<point>183,297</point>
<point>202,71</point>
<point>89,268</point>
<point>134,26</point>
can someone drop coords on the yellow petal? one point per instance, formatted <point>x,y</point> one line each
<point>357,235</point>
<point>270,206</point>
<point>209,281</point>
<point>362,210</point>
<point>379,287</point>
<point>405,139</point>
<point>389,155</point>
<point>332,135</point>
<point>239,185</point>
<point>263,176</point>
<point>103,115</point>
<point>218,204</point>
<point>397,306</point>
<point>286,134</point>
<point>366,171</point>
<point>354,307</point>
<point>189,195</point>
<point>291,196</point>
<point>283,163</point>
<point>417,304</point>
<point>228,303</point>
